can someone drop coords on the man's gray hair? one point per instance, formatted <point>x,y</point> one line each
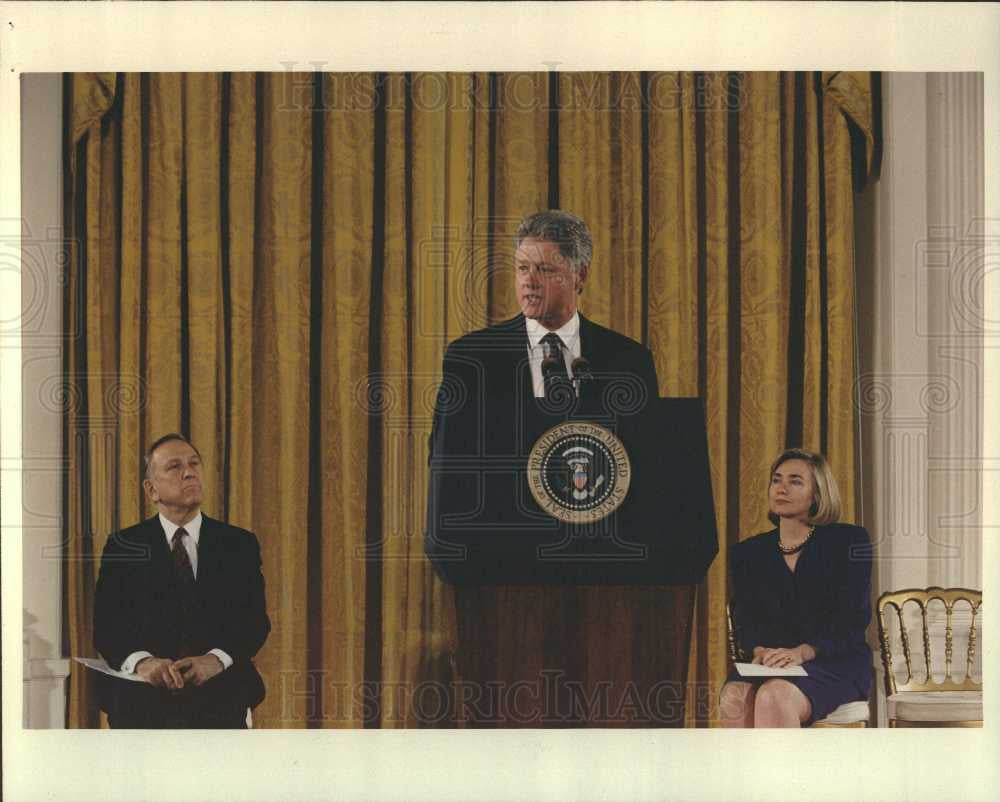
<point>566,230</point>
<point>147,458</point>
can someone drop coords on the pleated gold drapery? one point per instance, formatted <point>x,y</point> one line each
<point>274,264</point>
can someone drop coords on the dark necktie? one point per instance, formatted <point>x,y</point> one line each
<point>554,373</point>
<point>186,591</point>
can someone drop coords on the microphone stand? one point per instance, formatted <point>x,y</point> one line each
<point>581,374</point>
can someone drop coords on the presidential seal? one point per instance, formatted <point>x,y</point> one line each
<point>579,472</point>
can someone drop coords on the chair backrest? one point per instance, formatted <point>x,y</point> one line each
<point>922,598</point>
<point>735,653</point>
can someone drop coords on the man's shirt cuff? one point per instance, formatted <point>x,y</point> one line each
<point>224,658</point>
<point>128,667</point>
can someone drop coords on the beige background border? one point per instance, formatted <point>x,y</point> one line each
<point>635,765</point>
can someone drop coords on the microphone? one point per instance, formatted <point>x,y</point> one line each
<point>581,373</point>
<point>550,365</point>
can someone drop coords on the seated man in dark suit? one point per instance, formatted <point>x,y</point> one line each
<point>180,602</point>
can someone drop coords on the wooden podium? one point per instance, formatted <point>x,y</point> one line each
<point>554,656</point>
<point>573,616</point>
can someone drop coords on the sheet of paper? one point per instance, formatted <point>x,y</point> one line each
<point>98,664</point>
<point>753,670</point>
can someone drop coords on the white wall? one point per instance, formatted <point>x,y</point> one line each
<point>921,258</point>
<point>45,666</point>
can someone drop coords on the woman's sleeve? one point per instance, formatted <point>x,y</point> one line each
<point>742,608</point>
<point>852,610</point>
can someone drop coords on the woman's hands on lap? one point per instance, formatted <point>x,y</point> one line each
<point>781,657</point>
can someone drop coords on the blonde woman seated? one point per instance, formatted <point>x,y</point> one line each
<point>800,597</point>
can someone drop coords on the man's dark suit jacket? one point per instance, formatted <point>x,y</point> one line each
<point>487,376</point>
<point>137,608</point>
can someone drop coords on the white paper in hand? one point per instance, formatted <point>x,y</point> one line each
<point>754,670</point>
<point>97,664</point>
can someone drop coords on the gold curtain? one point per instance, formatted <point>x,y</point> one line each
<point>274,263</point>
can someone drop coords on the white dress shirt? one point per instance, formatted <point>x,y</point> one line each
<point>569,333</point>
<point>190,543</point>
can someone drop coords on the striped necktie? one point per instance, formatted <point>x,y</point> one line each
<point>554,373</point>
<point>186,590</point>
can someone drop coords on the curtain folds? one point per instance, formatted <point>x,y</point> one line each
<point>274,264</point>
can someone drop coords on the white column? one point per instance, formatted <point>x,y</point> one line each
<point>953,262</point>
<point>894,462</point>
<point>920,305</point>
<point>45,666</point>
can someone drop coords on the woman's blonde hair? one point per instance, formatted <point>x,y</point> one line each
<point>826,507</point>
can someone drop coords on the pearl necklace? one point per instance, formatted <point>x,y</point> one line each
<point>798,548</point>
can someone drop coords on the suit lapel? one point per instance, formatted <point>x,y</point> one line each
<point>157,540</point>
<point>596,347</point>
<point>592,345</point>
<point>160,559</point>
<point>511,360</point>
<point>522,366</point>
<point>208,543</point>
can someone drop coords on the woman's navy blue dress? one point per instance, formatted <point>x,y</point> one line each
<point>824,602</point>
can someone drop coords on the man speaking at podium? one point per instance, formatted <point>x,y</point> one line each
<point>560,347</point>
<point>504,386</point>
<point>554,251</point>
<point>564,495</point>
<point>180,603</point>
<point>539,437</point>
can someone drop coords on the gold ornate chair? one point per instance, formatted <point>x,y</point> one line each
<point>921,700</point>
<point>849,714</point>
